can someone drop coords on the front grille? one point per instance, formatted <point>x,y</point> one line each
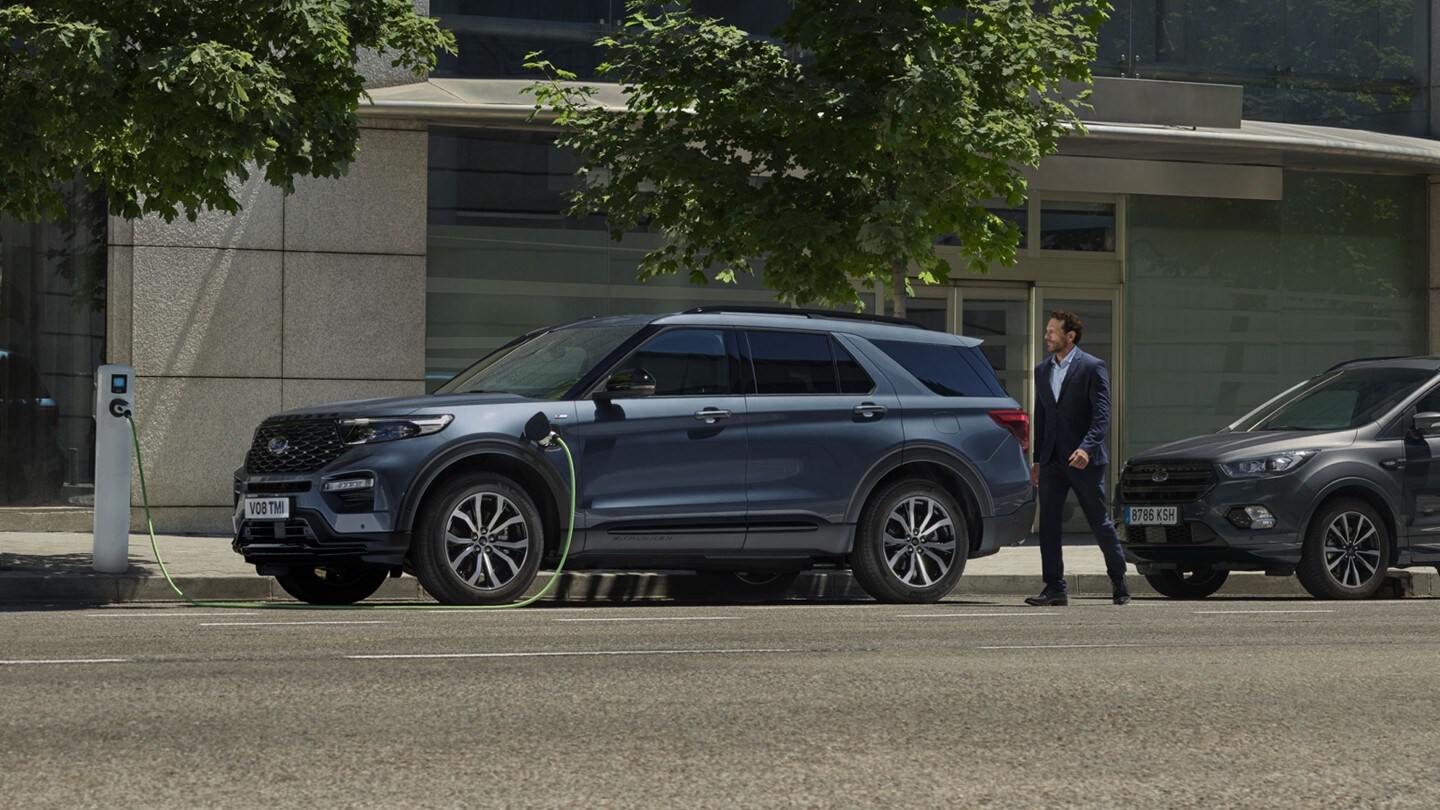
<point>1183,482</point>
<point>277,487</point>
<point>1185,534</point>
<point>309,445</point>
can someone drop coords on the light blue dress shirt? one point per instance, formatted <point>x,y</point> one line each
<point>1057,372</point>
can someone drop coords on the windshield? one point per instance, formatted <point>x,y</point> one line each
<point>1337,400</point>
<point>544,366</point>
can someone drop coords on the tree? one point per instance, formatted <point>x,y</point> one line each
<point>160,103</point>
<point>838,151</point>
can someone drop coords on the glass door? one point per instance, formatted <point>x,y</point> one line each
<point>1000,316</point>
<point>1099,311</point>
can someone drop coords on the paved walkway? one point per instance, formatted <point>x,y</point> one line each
<point>56,567</point>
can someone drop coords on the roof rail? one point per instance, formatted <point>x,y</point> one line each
<point>1344,363</point>
<point>805,313</point>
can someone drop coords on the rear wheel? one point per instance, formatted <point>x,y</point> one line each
<point>1191,584</point>
<point>479,542</point>
<point>911,543</point>
<point>747,587</point>
<point>332,586</point>
<point>1346,552</point>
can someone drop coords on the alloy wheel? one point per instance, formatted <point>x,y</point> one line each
<point>919,541</point>
<point>1352,551</point>
<point>487,540</point>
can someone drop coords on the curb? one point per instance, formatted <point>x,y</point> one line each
<point>607,587</point>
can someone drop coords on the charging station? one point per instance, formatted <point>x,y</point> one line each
<point>114,405</point>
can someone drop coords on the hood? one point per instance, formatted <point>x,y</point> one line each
<point>1235,446</point>
<point>401,406</point>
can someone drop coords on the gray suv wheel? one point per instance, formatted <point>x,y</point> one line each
<point>1347,551</point>
<point>910,544</point>
<point>479,542</point>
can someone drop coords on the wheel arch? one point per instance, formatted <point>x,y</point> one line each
<point>522,463</point>
<point>945,470</point>
<point>1364,491</point>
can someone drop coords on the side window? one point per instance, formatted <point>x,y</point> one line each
<point>948,370</point>
<point>804,363</point>
<point>686,362</point>
<point>1430,403</point>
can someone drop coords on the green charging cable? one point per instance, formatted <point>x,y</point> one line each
<point>154,547</point>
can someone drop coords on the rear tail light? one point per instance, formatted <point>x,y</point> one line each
<point>1017,422</point>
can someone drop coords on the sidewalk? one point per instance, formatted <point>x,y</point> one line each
<point>56,567</point>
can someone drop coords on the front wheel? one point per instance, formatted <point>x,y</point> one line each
<point>479,542</point>
<point>332,586</point>
<point>911,543</point>
<point>1196,584</point>
<point>1346,551</point>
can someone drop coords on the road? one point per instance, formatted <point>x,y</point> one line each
<point>1219,703</point>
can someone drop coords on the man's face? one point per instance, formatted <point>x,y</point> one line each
<point>1056,338</point>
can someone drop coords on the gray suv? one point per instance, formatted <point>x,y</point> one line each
<point>745,444</point>
<point>1335,480</point>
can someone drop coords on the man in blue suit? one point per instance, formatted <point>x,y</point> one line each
<point>1072,416</point>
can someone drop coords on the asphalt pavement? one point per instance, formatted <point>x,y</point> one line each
<point>57,567</point>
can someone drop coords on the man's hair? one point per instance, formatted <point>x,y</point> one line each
<point>1070,322</point>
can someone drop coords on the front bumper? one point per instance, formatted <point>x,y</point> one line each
<point>1205,537</point>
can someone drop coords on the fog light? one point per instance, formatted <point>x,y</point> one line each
<point>1251,517</point>
<point>347,485</point>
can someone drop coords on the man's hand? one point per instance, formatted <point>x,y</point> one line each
<point>1034,475</point>
<point>1079,459</point>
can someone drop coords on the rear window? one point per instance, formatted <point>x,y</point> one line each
<point>950,371</point>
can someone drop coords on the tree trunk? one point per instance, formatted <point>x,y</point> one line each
<point>897,281</point>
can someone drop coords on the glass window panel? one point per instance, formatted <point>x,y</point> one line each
<point>792,362</point>
<point>686,362</point>
<point>1229,302</point>
<point>1003,327</point>
<point>853,379</point>
<point>1079,226</point>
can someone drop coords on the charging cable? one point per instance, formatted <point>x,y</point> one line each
<point>154,546</point>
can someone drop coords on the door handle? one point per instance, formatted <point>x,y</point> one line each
<point>869,409</point>
<point>711,415</point>
<point>1393,464</point>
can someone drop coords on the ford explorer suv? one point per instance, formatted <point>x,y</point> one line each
<point>1335,480</point>
<point>744,444</point>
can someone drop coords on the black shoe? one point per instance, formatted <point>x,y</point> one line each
<point>1121,594</point>
<point>1049,598</point>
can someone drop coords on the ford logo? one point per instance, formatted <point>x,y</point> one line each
<point>1159,476</point>
<point>278,445</point>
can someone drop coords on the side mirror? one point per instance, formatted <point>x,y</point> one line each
<point>1426,424</point>
<point>635,382</point>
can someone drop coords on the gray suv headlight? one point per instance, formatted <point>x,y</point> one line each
<point>369,431</point>
<point>1273,464</point>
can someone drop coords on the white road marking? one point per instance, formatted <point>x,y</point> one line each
<point>969,615</point>
<point>1232,612</point>
<point>658,619</point>
<point>141,614</point>
<point>578,653</point>
<point>1065,646</point>
<point>67,661</point>
<point>279,624</point>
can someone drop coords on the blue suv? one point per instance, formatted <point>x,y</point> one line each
<point>744,444</point>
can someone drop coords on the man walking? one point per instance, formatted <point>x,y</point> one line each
<point>1072,416</point>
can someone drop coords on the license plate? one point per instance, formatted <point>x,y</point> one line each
<point>1152,515</point>
<point>267,508</point>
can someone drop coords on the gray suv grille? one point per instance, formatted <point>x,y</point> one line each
<point>1165,482</point>
<point>307,446</point>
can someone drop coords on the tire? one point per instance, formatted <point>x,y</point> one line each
<point>911,543</point>
<point>746,587</point>
<point>1346,551</point>
<point>478,542</point>
<point>332,586</point>
<point>1196,584</point>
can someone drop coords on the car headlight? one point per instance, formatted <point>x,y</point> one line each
<point>369,431</point>
<point>1273,464</point>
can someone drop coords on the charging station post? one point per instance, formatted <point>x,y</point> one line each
<point>114,404</point>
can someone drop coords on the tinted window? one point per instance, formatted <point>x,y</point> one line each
<point>950,371</point>
<point>544,366</point>
<point>802,363</point>
<point>686,362</point>
<point>853,379</point>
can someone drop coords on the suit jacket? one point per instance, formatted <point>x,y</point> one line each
<point>1080,418</point>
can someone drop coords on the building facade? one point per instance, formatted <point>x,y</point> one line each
<point>1254,202</point>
